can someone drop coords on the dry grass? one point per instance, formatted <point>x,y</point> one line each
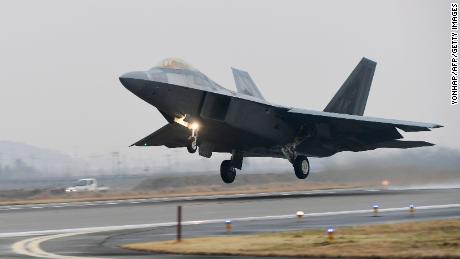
<point>430,239</point>
<point>171,193</point>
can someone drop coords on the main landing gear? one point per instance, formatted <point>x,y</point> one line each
<point>228,167</point>
<point>299,162</point>
<point>301,167</point>
<point>227,171</point>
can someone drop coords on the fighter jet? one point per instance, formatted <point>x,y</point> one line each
<point>204,116</point>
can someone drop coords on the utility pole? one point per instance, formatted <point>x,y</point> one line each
<point>179,224</point>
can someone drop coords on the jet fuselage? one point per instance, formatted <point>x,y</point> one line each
<point>178,93</point>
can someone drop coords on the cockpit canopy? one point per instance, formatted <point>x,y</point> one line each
<point>178,72</point>
<point>175,63</point>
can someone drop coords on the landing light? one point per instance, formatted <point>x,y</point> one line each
<point>385,182</point>
<point>376,210</point>
<point>194,126</point>
<point>300,214</point>
<point>330,234</point>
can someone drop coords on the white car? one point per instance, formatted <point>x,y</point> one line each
<point>87,185</point>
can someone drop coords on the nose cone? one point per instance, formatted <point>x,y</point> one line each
<point>134,81</point>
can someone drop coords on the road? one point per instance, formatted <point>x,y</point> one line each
<point>103,226</point>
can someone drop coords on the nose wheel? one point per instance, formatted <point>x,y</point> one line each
<point>227,171</point>
<point>192,144</point>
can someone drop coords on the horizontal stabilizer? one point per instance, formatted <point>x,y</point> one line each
<point>404,144</point>
<point>352,95</point>
<point>245,85</point>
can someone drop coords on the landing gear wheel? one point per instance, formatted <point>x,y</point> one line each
<point>301,167</point>
<point>227,171</point>
<point>192,144</point>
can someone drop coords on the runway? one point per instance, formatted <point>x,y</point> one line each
<point>104,227</point>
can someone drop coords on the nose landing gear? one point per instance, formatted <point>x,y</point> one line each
<point>192,141</point>
<point>192,144</point>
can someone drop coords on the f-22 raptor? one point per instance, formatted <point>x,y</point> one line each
<point>204,116</point>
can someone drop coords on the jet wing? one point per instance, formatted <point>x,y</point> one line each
<point>328,133</point>
<point>171,135</point>
<point>346,119</point>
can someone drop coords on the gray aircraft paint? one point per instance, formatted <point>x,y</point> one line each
<point>352,96</point>
<point>235,121</point>
<point>245,85</point>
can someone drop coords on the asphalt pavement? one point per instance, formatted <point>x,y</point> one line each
<point>96,231</point>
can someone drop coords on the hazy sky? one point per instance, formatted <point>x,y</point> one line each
<point>60,61</point>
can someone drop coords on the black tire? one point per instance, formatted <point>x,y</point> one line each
<point>301,167</point>
<point>192,145</point>
<point>227,171</point>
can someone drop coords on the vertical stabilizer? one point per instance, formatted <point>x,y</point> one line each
<point>245,85</point>
<point>352,95</point>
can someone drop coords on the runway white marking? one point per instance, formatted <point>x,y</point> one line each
<point>194,222</point>
<point>31,246</point>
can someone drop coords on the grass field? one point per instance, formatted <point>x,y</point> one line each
<point>428,239</point>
